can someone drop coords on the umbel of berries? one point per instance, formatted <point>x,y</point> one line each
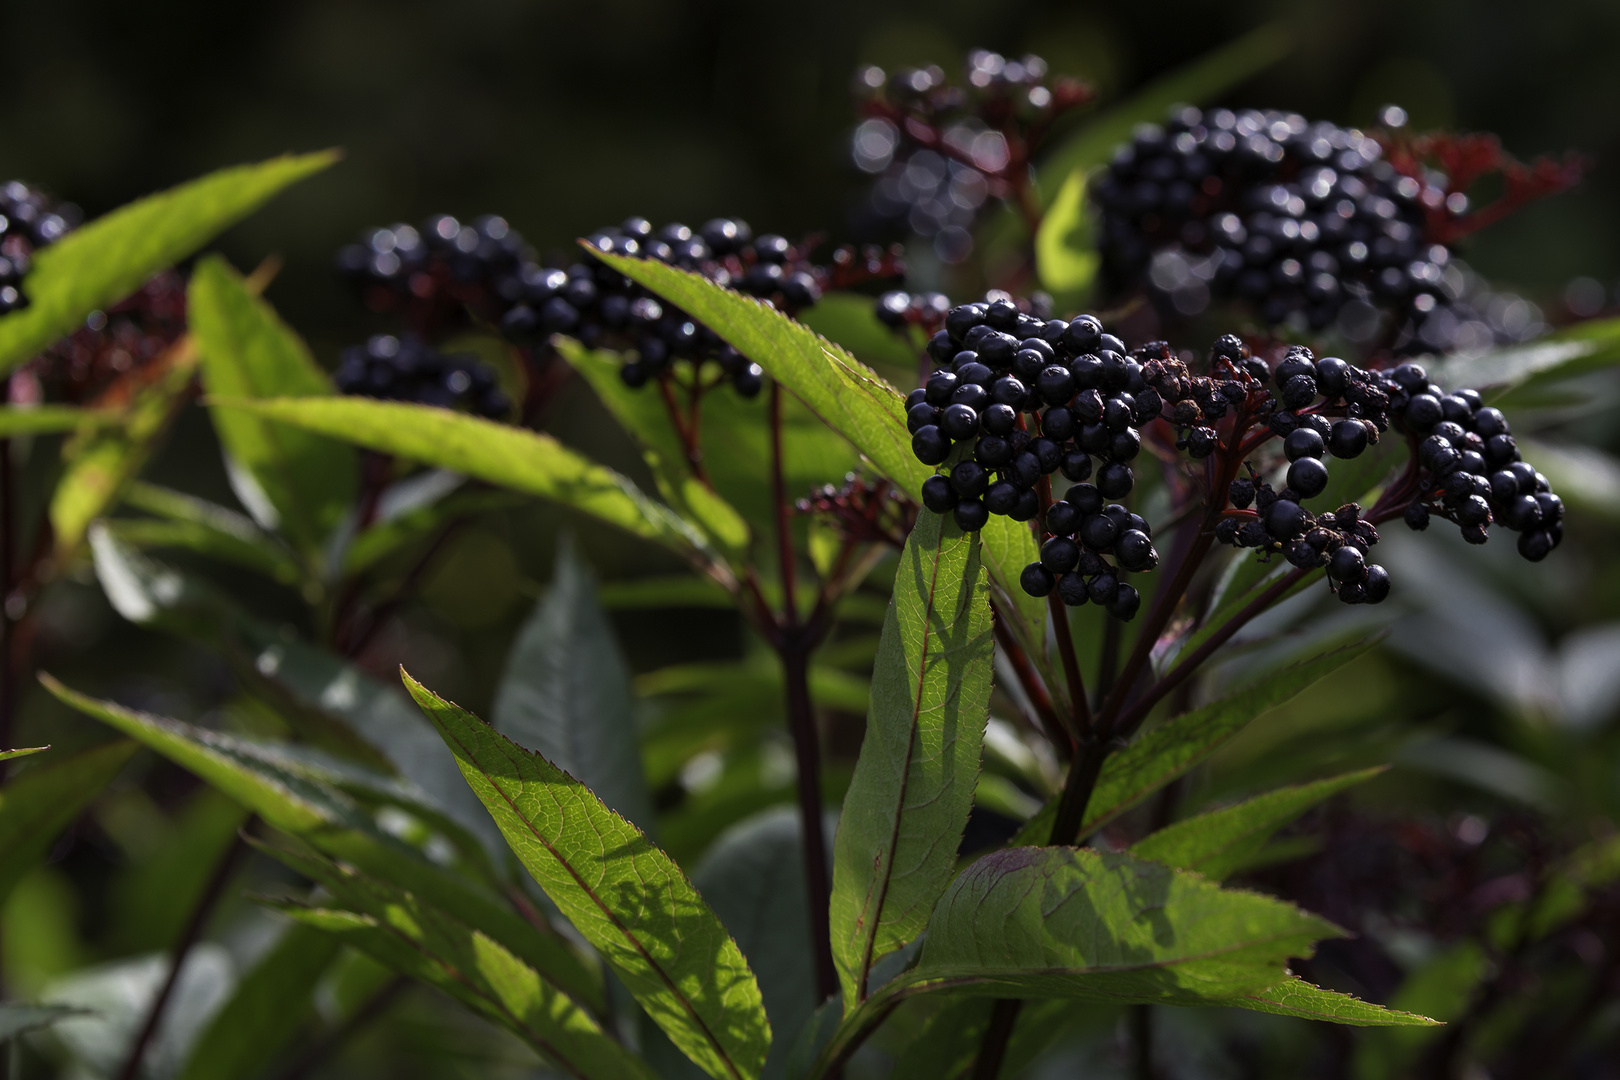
<point>596,304</point>
<point>408,369</point>
<point>1470,471</point>
<point>1017,399</point>
<point>29,220</point>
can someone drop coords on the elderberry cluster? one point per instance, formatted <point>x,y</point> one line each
<point>1006,372</point>
<point>433,275</point>
<point>111,344</point>
<point>596,304</point>
<point>941,152</point>
<point>29,220</point>
<point>1470,470</point>
<point>1295,217</point>
<point>408,369</point>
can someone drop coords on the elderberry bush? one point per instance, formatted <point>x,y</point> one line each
<point>29,220</point>
<point>599,306</point>
<point>408,369</point>
<point>1296,218</point>
<point>1006,372</point>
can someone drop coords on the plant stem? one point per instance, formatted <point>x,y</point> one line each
<point>794,646</point>
<point>1079,707</point>
<point>1041,701</point>
<point>1142,1042</point>
<point>195,923</point>
<point>8,625</point>
<point>993,1051</point>
<point>1108,661</point>
<point>316,1054</point>
<point>1077,788</point>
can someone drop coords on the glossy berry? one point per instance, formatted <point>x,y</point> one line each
<point>939,495</point>
<point>1037,580</point>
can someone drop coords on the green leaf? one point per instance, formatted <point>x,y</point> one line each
<point>37,804</point>
<point>650,593</point>
<point>106,260</point>
<point>1583,347</point>
<point>269,1006</point>
<point>621,893</point>
<point>248,352</point>
<point>1066,256</point>
<point>913,786</point>
<point>525,461</point>
<point>7,755</point>
<point>287,792</point>
<point>206,528</point>
<point>850,319</point>
<point>1224,841</point>
<point>852,399</point>
<point>566,693</point>
<point>1176,746</point>
<point>1207,77</point>
<point>1296,997</point>
<point>18,1020</point>
<point>413,524</point>
<point>1072,922</point>
<point>411,936</point>
<point>755,874</point>
<point>736,445</point>
<point>52,419</point>
<point>103,462</point>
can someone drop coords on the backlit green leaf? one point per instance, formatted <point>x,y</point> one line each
<point>106,260</point>
<point>525,461</point>
<point>913,786</point>
<point>621,893</point>
<point>248,352</point>
<point>1296,997</point>
<point>1066,256</point>
<point>52,419</point>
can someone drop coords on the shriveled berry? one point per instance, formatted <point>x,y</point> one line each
<point>1241,493</point>
<point>1072,590</point>
<point>1417,517</point>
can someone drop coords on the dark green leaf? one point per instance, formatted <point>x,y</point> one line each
<point>913,786</point>
<point>248,352</point>
<point>399,929</point>
<point>1174,747</point>
<point>1583,347</point>
<point>106,260</point>
<point>269,1006</point>
<point>566,693</point>
<point>18,1020</point>
<point>40,802</point>
<point>664,592</point>
<point>621,893</point>
<point>1071,922</point>
<point>27,751</point>
<point>292,791</point>
<point>1221,842</point>
<point>392,532</point>
<point>755,874</point>
<point>525,461</point>
<point>207,528</point>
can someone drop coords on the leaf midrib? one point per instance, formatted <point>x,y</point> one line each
<point>635,943</point>
<point>905,774</point>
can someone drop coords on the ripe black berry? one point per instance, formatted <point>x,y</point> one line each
<point>1037,580</point>
<point>938,495</point>
<point>971,515</point>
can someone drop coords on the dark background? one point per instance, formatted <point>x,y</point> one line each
<point>564,117</point>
